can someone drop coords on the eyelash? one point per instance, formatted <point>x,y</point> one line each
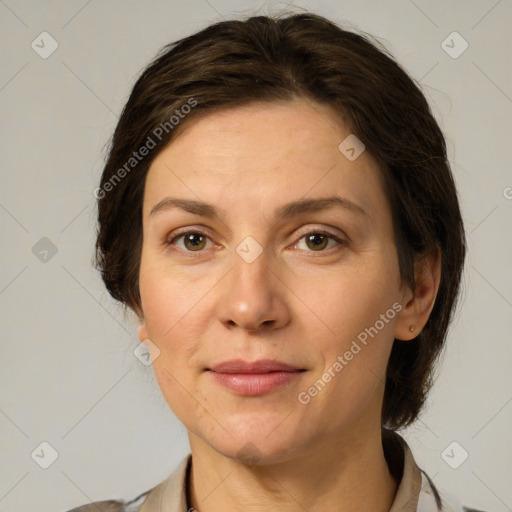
<point>317,231</point>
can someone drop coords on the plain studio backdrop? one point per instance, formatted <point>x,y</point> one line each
<point>74,397</point>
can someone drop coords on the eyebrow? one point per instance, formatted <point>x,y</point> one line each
<point>284,212</point>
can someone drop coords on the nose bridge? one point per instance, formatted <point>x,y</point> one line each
<point>251,296</point>
<point>251,282</point>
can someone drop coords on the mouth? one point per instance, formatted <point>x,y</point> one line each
<point>254,378</point>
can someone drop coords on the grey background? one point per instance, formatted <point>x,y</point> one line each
<point>68,374</point>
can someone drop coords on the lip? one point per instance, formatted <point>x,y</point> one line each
<point>262,366</point>
<point>254,378</point>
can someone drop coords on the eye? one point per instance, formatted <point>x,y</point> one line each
<point>193,241</point>
<point>317,240</point>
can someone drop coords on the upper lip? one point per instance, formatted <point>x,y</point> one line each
<point>261,366</point>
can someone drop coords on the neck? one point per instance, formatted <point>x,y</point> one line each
<point>351,474</point>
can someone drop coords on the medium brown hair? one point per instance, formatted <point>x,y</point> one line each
<point>277,59</point>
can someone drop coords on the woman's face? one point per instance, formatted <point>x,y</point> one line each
<point>315,285</point>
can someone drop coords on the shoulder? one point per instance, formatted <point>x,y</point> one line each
<point>168,494</point>
<point>101,506</point>
<point>433,499</point>
<point>416,485</point>
<point>113,505</point>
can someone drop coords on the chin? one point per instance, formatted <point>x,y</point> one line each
<point>255,448</point>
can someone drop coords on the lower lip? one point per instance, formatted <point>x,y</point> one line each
<point>254,384</point>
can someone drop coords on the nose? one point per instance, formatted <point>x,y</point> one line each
<point>253,297</point>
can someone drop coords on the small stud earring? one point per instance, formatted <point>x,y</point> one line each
<point>411,328</point>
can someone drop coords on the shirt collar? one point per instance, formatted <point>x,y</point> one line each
<point>170,495</point>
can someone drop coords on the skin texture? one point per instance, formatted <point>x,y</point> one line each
<point>296,303</point>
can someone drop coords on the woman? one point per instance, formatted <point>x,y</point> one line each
<point>278,211</point>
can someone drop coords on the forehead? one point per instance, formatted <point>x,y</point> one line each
<point>274,131</point>
<point>261,155</point>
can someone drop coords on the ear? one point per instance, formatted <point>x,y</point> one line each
<point>418,305</point>
<point>142,332</point>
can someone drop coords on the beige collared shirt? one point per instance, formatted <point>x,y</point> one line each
<point>415,493</point>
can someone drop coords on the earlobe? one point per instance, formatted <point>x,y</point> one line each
<point>405,327</point>
<point>142,332</point>
<point>417,309</point>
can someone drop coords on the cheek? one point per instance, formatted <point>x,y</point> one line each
<point>354,359</point>
<point>358,310</point>
<point>171,309</point>
<point>342,305</point>
<point>170,315</point>
<point>167,299</point>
